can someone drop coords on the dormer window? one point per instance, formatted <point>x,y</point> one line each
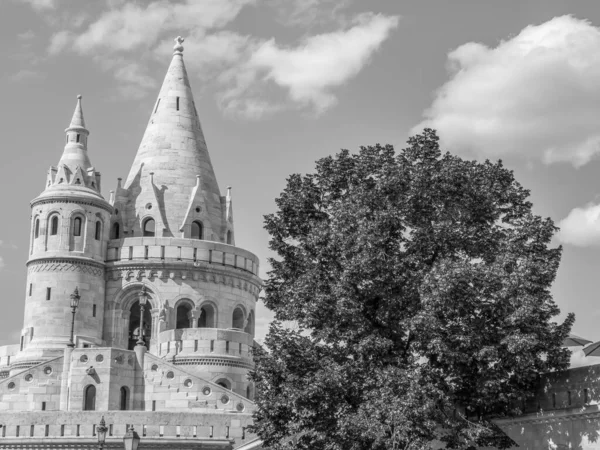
<point>197,230</point>
<point>149,228</point>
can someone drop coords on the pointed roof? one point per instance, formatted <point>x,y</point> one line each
<point>77,122</point>
<point>174,149</point>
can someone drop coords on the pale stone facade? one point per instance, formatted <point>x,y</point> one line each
<point>166,232</point>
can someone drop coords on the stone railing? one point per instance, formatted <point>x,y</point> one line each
<point>152,427</point>
<point>187,250</point>
<point>205,342</point>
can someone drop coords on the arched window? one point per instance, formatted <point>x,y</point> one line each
<point>148,228</point>
<point>207,317</point>
<point>183,316</point>
<point>124,398</point>
<point>250,325</point>
<point>116,231</point>
<point>77,226</point>
<point>89,398</point>
<point>98,231</point>
<point>197,230</point>
<point>229,237</point>
<point>54,226</point>
<point>37,228</point>
<point>224,382</point>
<point>237,319</point>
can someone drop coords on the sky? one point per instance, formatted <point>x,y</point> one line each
<point>279,84</point>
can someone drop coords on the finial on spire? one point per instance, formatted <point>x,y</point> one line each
<point>178,48</point>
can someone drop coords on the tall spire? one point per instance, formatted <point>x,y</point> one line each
<point>75,153</point>
<point>74,170</point>
<point>174,149</point>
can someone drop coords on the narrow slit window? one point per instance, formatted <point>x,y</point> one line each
<point>98,230</point>
<point>146,251</point>
<point>48,293</point>
<point>162,252</point>
<point>212,346</point>
<point>77,137</point>
<point>47,430</point>
<point>37,228</point>
<point>554,400</point>
<point>94,310</point>
<point>177,103</point>
<point>54,226</point>
<point>116,231</point>
<point>30,289</point>
<point>43,406</point>
<point>77,226</point>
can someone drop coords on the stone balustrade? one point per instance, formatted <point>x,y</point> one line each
<point>186,250</point>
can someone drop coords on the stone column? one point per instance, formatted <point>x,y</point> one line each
<point>64,382</point>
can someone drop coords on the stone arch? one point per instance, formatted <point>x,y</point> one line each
<point>250,321</point>
<point>125,301</point>
<point>148,226</point>
<point>238,317</point>
<point>208,316</point>
<point>89,398</point>
<point>219,378</point>
<point>184,313</point>
<point>50,223</point>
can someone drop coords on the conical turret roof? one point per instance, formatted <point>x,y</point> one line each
<point>173,153</point>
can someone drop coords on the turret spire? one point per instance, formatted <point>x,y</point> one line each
<point>174,149</point>
<point>77,121</point>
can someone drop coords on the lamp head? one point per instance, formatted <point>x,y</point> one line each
<point>131,440</point>
<point>143,296</point>
<point>75,298</point>
<point>101,430</point>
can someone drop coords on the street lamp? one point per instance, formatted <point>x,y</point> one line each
<point>143,299</point>
<point>74,304</point>
<point>101,430</point>
<point>131,440</point>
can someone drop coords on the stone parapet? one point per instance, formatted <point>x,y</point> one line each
<point>185,250</point>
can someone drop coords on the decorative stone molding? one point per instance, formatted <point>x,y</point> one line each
<point>101,203</point>
<point>65,265</point>
<point>183,361</point>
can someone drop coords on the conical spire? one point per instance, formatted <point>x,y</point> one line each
<point>75,153</point>
<point>174,149</point>
<point>77,120</point>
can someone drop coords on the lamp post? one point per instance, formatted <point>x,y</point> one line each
<point>131,440</point>
<point>143,299</point>
<point>74,304</point>
<point>101,430</point>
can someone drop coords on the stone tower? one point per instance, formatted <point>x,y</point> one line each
<point>69,233</point>
<point>172,232</point>
<point>164,330</point>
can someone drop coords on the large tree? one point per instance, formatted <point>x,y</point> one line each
<point>419,286</point>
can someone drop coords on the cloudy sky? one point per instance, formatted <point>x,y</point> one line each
<point>281,83</point>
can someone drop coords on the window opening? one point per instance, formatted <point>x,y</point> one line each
<point>90,399</point>
<point>177,103</point>
<point>183,316</point>
<point>37,228</point>
<point>124,395</point>
<point>98,230</point>
<point>229,237</point>
<point>148,229</point>
<point>48,293</point>
<point>197,230</point>
<point>94,310</point>
<point>237,319</point>
<point>77,227</point>
<point>77,137</point>
<point>54,225</point>
<point>30,288</point>
<point>116,231</point>
<point>43,406</point>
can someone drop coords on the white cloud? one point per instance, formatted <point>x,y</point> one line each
<point>40,5</point>
<point>25,75</point>
<point>578,358</point>
<point>308,13</point>
<point>312,69</point>
<point>131,26</point>
<point>535,95</point>
<point>581,227</point>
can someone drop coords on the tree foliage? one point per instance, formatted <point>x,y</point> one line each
<point>420,286</point>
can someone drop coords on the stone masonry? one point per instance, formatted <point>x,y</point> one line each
<point>176,370</point>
